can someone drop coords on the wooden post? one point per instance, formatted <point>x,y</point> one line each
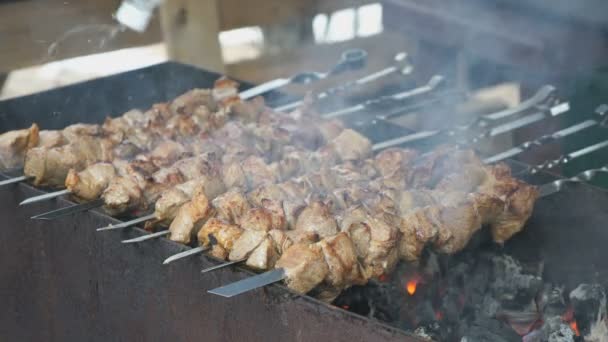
<point>190,29</point>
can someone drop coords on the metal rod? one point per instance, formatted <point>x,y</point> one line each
<point>73,209</point>
<point>148,237</point>
<point>222,265</point>
<point>401,64</point>
<point>14,180</point>
<point>126,224</point>
<point>566,158</point>
<point>185,254</point>
<point>542,95</point>
<point>45,197</point>
<point>250,283</point>
<point>431,85</point>
<point>349,60</point>
<point>582,177</point>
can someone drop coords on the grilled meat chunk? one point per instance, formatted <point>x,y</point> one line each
<point>246,243</point>
<point>231,205</point>
<point>190,216</point>
<point>304,266</point>
<point>89,184</point>
<point>317,218</point>
<point>14,145</point>
<point>341,258</point>
<point>519,206</point>
<point>350,145</point>
<point>222,232</point>
<point>264,256</point>
<point>256,219</point>
<point>391,160</point>
<point>257,172</point>
<point>121,195</point>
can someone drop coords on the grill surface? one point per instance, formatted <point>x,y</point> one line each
<point>63,281</point>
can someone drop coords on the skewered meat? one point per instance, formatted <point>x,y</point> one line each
<point>122,194</point>
<point>88,184</point>
<point>264,256</point>
<point>256,219</point>
<point>341,258</point>
<point>257,172</point>
<point>350,145</point>
<point>391,160</point>
<point>14,145</point>
<point>317,218</point>
<point>517,211</point>
<point>233,175</point>
<point>190,215</point>
<point>224,233</point>
<point>231,205</point>
<point>50,166</point>
<point>304,266</point>
<point>246,243</point>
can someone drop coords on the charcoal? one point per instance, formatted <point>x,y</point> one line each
<point>588,301</point>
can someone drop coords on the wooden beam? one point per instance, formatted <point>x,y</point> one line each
<point>191,31</point>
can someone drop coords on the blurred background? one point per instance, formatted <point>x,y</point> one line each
<point>498,52</point>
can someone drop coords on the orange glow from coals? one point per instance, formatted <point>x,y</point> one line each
<point>411,286</point>
<point>574,328</point>
<point>345,307</point>
<point>438,315</point>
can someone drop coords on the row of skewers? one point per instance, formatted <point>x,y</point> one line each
<point>274,191</point>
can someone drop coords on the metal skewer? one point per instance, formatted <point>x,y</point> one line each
<point>250,283</point>
<point>45,197</point>
<point>566,158</point>
<point>73,209</point>
<point>401,65</point>
<point>148,237</point>
<point>431,85</point>
<point>127,223</point>
<point>582,177</point>
<point>548,138</point>
<point>222,265</point>
<point>350,60</point>
<point>14,180</point>
<point>185,254</point>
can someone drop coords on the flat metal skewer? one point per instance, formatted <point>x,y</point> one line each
<point>127,224</point>
<point>222,265</point>
<point>14,180</point>
<point>73,209</point>
<point>45,197</point>
<point>148,237</point>
<point>185,254</point>
<point>349,60</point>
<point>558,184</point>
<point>249,283</point>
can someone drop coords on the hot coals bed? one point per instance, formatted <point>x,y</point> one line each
<point>62,280</point>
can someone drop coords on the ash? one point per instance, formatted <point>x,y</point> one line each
<point>483,295</point>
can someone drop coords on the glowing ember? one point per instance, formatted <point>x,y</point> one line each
<point>345,307</point>
<point>574,328</point>
<point>438,315</point>
<point>411,286</point>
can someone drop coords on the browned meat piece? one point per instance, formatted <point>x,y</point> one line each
<point>50,166</point>
<point>249,110</point>
<point>256,219</point>
<point>218,252</point>
<point>278,220</point>
<point>246,243</point>
<point>272,192</point>
<point>297,188</point>
<point>292,210</point>
<point>330,129</point>
<point>418,227</point>
<point>258,172</point>
<point>51,139</point>
<point>224,233</point>
<point>14,145</point>
<point>316,217</point>
<point>343,198</point>
<point>121,195</point>
<point>375,240</point>
<point>304,266</point>
<point>340,176</point>
<point>233,175</point>
<point>283,239</point>
<point>517,211</point>
<point>231,205</point>
<point>166,207</point>
<point>422,173</point>
<point>74,133</point>
<point>166,153</point>
<point>341,258</point>
<point>466,177</point>
<point>389,161</point>
<point>458,224</point>
<point>264,256</point>
<point>89,184</point>
<point>126,150</point>
<point>350,145</point>
<point>190,216</point>
<point>292,163</point>
<point>186,104</point>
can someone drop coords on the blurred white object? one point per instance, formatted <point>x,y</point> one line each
<point>136,14</point>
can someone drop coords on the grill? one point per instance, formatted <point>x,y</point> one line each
<point>64,281</point>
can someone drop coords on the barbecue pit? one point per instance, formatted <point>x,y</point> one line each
<point>69,282</point>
